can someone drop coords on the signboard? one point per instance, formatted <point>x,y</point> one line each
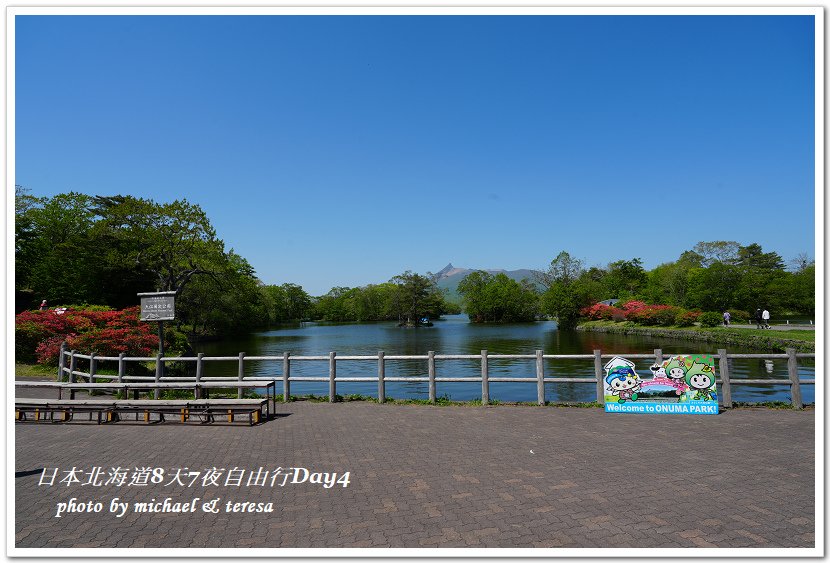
<point>158,306</point>
<point>683,384</point>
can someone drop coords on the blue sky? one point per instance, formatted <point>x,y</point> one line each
<point>343,150</point>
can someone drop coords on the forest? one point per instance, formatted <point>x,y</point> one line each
<point>77,250</point>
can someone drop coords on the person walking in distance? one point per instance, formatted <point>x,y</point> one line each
<point>726,317</point>
<point>43,305</point>
<point>765,318</point>
<point>758,320</point>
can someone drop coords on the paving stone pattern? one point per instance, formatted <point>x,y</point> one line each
<point>423,476</point>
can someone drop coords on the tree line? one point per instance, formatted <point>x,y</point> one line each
<point>102,250</point>
<point>77,249</point>
<point>712,276</point>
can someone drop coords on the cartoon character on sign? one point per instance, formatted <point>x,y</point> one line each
<point>676,374</point>
<point>624,383</point>
<point>701,381</point>
<point>658,371</point>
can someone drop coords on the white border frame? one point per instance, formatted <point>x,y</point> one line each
<point>338,7</point>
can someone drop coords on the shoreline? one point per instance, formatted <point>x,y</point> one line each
<point>767,342</point>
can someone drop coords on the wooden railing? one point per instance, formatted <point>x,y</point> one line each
<point>432,379</point>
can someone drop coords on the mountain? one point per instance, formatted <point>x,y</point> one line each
<point>449,277</point>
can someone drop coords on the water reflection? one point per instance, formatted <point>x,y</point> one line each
<point>455,335</point>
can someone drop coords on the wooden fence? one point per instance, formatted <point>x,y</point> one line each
<point>725,381</point>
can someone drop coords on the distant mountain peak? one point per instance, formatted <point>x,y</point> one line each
<point>445,270</point>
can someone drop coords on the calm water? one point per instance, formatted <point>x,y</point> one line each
<point>455,335</point>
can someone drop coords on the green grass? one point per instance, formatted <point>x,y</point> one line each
<point>778,405</point>
<point>751,337</point>
<point>35,370</point>
<point>806,335</point>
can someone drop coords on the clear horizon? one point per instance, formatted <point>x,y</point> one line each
<point>344,150</point>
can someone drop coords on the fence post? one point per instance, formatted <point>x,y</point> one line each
<point>795,384</point>
<point>122,368</point>
<point>199,357</point>
<point>73,363</point>
<point>61,361</point>
<point>381,375</point>
<point>286,373</point>
<point>485,379</point>
<point>332,375</point>
<point>600,380</point>
<point>540,378</point>
<point>240,374</point>
<point>93,367</point>
<point>431,369</point>
<point>159,364</point>
<point>658,356</point>
<point>725,381</point>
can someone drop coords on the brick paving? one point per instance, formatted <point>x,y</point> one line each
<point>423,476</point>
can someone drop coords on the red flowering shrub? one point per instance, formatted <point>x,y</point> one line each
<point>641,313</point>
<point>601,312</point>
<point>686,318</point>
<point>630,306</point>
<point>38,334</point>
<point>654,315</point>
<point>48,350</point>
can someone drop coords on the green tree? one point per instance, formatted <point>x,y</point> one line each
<point>568,288</point>
<point>625,278</point>
<point>287,302</point>
<point>753,256</point>
<point>54,256</point>
<point>712,288</point>
<point>417,297</point>
<point>175,241</point>
<point>489,298</point>
<point>723,251</point>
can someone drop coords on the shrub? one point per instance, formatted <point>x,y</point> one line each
<point>686,318</point>
<point>653,315</point>
<point>602,312</point>
<point>38,334</point>
<point>739,316</point>
<point>710,319</point>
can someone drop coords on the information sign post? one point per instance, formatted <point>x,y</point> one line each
<point>158,307</point>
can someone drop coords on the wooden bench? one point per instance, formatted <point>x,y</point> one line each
<point>111,410</point>
<point>204,409</point>
<point>43,408</point>
<point>198,387</point>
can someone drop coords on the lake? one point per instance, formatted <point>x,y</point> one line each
<point>456,335</point>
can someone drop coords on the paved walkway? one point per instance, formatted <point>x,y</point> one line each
<point>425,476</point>
<point>776,327</point>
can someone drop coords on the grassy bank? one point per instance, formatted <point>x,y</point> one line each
<point>766,341</point>
<point>36,371</point>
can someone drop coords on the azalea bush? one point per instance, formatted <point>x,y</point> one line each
<point>686,318</point>
<point>106,332</point>
<point>602,312</point>
<point>654,315</point>
<point>641,313</point>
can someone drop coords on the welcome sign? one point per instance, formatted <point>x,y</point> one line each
<point>683,384</point>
